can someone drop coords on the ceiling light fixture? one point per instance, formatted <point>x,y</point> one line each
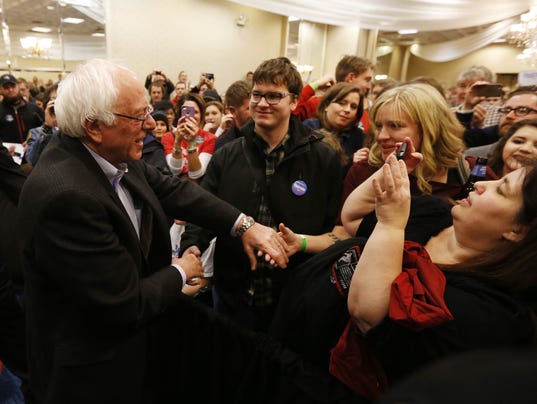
<point>71,20</point>
<point>407,31</point>
<point>524,35</point>
<point>43,30</point>
<point>36,47</point>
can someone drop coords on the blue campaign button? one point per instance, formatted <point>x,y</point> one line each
<point>299,188</point>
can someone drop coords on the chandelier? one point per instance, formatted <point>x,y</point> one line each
<point>524,35</point>
<point>35,47</point>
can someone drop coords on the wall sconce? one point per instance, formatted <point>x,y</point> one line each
<point>241,20</point>
<point>36,47</point>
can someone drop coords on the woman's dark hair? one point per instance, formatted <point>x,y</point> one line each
<point>496,156</point>
<point>48,91</point>
<point>191,97</point>
<point>514,266</point>
<point>335,94</point>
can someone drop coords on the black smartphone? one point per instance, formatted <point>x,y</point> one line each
<point>489,90</point>
<point>401,151</point>
<point>209,76</point>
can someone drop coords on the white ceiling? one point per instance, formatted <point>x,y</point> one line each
<point>390,15</point>
<point>437,20</point>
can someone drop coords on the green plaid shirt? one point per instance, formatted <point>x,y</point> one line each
<point>260,292</point>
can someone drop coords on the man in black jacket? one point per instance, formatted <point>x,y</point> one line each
<point>280,171</point>
<point>17,116</point>
<point>12,328</point>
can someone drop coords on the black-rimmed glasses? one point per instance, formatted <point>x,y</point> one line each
<point>142,119</point>
<point>272,97</point>
<point>519,111</point>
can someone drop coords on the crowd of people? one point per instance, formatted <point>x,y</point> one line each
<point>275,242</point>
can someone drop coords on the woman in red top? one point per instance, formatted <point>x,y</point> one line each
<point>188,152</point>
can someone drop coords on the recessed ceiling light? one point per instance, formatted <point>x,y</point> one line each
<point>98,34</point>
<point>407,31</point>
<point>50,8</point>
<point>71,20</point>
<point>44,30</point>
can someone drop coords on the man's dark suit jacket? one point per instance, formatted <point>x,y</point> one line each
<point>12,329</point>
<point>11,181</point>
<point>94,297</point>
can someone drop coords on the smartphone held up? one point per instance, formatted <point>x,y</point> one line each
<point>489,90</point>
<point>401,151</point>
<point>188,111</point>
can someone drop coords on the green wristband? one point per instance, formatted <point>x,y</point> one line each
<point>314,86</point>
<point>304,243</point>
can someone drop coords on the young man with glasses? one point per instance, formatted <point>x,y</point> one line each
<point>520,104</point>
<point>280,171</point>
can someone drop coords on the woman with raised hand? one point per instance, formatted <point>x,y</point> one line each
<point>189,151</point>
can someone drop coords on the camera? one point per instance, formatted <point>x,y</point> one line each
<point>158,72</point>
<point>209,76</point>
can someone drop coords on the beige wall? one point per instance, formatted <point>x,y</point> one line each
<point>340,41</point>
<point>192,35</point>
<point>500,58</point>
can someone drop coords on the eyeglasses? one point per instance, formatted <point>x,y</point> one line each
<point>519,111</point>
<point>142,119</point>
<point>272,97</point>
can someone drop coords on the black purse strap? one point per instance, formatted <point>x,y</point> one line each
<point>462,169</point>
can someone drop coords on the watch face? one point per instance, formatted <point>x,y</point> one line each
<point>246,224</point>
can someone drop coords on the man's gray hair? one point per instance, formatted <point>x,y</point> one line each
<point>88,94</point>
<point>477,73</point>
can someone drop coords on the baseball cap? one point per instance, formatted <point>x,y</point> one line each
<point>211,95</point>
<point>7,78</point>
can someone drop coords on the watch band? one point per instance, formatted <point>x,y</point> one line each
<point>247,222</point>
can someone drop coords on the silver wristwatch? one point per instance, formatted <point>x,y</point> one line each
<point>247,222</point>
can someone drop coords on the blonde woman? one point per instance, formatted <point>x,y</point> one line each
<point>419,112</point>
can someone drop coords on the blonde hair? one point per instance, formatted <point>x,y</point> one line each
<point>440,131</point>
